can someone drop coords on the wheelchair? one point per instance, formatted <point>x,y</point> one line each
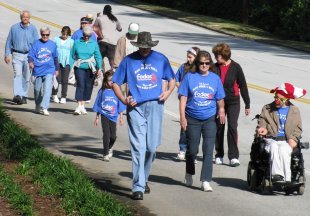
<point>259,178</point>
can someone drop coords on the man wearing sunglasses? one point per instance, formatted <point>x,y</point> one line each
<point>280,121</point>
<point>19,41</point>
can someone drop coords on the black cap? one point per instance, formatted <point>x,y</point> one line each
<point>85,20</point>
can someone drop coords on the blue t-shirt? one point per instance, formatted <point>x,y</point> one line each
<point>202,93</point>
<point>44,56</point>
<point>282,114</point>
<point>144,75</point>
<point>108,104</point>
<point>180,73</point>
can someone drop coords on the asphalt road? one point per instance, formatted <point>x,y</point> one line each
<point>265,66</point>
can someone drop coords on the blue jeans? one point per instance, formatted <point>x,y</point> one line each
<point>144,129</point>
<point>195,129</point>
<point>182,141</point>
<point>47,83</point>
<point>84,84</point>
<point>21,74</point>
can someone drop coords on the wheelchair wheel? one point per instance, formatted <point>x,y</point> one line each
<point>251,177</point>
<point>266,187</point>
<point>301,188</point>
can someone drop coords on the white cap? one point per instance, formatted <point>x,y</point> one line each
<point>133,28</point>
<point>90,16</point>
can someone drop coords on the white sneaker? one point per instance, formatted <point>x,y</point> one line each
<point>234,162</point>
<point>218,161</point>
<point>83,111</point>
<point>63,100</point>
<point>205,186</point>
<point>45,112</point>
<point>55,99</point>
<point>110,153</point>
<point>195,161</point>
<point>181,155</point>
<point>106,158</point>
<point>77,111</point>
<point>88,101</point>
<point>188,181</point>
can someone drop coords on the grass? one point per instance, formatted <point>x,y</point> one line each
<point>220,25</point>
<point>12,191</point>
<point>56,176</point>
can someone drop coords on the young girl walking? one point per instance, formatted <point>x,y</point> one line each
<point>185,68</point>
<point>109,107</point>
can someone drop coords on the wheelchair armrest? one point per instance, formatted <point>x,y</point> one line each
<point>304,145</point>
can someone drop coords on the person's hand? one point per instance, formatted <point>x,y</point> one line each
<point>247,112</point>
<point>262,131</point>
<point>56,73</point>
<point>221,115</point>
<point>292,143</point>
<point>96,121</point>
<point>121,121</point>
<point>183,123</point>
<point>7,59</point>
<point>130,101</point>
<point>31,65</point>
<point>164,96</point>
<point>98,73</point>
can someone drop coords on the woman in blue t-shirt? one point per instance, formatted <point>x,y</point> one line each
<point>109,107</point>
<point>201,100</point>
<point>186,67</point>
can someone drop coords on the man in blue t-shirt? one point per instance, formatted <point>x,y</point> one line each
<point>144,72</point>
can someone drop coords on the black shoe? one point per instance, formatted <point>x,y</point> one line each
<point>17,99</point>
<point>138,195</point>
<point>147,189</point>
<point>24,100</point>
<point>278,178</point>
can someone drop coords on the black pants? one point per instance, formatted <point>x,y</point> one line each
<point>63,79</point>
<point>232,112</point>
<point>109,134</point>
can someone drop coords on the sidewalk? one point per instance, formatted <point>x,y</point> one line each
<point>219,25</point>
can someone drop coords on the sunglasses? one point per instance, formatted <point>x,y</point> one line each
<point>204,63</point>
<point>86,35</point>
<point>45,35</point>
<point>280,99</point>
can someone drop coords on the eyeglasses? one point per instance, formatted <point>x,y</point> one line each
<point>86,35</point>
<point>204,63</point>
<point>280,99</point>
<point>45,35</point>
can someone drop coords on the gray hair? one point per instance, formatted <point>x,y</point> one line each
<point>45,28</point>
<point>87,30</point>
<point>23,12</point>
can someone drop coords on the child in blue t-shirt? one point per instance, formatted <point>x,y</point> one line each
<point>109,107</point>
<point>185,68</point>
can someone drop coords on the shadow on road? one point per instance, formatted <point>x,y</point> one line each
<point>231,182</point>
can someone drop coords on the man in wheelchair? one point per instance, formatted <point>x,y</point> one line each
<point>280,125</point>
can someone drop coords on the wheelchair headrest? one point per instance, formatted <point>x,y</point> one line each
<point>304,145</point>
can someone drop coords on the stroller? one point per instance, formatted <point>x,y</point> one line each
<point>258,173</point>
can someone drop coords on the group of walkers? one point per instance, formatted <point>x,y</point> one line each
<point>208,92</point>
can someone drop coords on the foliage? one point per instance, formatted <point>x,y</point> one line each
<point>287,18</point>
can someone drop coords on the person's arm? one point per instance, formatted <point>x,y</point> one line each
<point>261,128</point>
<point>98,57</point>
<point>96,119</point>
<point>243,89</point>
<point>118,92</point>
<point>296,134</point>
<point>118,26</point>
<point>182,106</point>
<point>221,111</point>
<point>8,47</point>
<point>164,96</point>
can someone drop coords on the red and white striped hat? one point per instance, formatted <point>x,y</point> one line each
<point>289,91</point>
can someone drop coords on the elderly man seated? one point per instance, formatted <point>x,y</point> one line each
<point>280,122</point>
